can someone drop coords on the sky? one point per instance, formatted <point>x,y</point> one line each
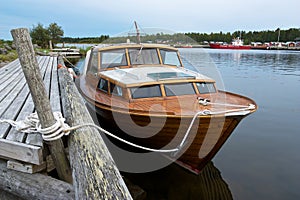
<point>92,18</point>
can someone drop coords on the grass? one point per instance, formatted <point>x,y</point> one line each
<point>10,56</point>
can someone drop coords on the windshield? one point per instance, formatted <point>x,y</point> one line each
<point>169,57</point>
<point>113,58</point>
<point>143,56</point>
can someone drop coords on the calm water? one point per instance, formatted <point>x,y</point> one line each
<point>261,158</point>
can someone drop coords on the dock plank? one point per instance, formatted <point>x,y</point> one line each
<point>16,103</point>
<point>26,110</point>
<point>55,99</point>
<point>8,86</point>
<point>36,139</point>
<point>8,76</point>
<point>8,68</point>
<point>11,102</point>
<point>17,150</point>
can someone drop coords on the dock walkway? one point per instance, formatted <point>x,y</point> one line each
<point>29,153</point>
<point>16,103</point>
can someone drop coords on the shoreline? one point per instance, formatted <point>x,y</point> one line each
<point>252,48</point>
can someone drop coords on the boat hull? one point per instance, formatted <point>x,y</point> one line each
<point>220,46</point>
<point>207,135</point>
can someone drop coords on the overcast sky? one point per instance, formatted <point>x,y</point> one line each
<point>86,18</point>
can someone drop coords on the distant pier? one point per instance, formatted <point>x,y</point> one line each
<point>67,52</point>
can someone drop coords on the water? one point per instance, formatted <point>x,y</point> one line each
<point>261,158</point>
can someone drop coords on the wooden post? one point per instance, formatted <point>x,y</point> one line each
<point>95,175</point>
<point>40,98</point>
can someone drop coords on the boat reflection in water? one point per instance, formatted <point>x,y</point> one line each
<point>173,182</point>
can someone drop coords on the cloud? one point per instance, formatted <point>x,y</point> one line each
<point>94,17</point>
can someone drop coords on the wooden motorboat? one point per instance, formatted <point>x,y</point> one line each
<point>144,92</point>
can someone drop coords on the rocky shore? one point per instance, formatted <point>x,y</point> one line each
<point>7,53</point>
<point>3,64</point>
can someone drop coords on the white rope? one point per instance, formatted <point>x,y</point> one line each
<point>124,141</point>
<point>31,124</point>
<point>206,102</point>
<point>179,147</point>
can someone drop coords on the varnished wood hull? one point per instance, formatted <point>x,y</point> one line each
<point>150,102</point>
<point>206,137</point>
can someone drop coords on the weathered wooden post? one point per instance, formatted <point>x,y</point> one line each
<point>40,98</point>
<point>95,175</point>
<point>34,186</point>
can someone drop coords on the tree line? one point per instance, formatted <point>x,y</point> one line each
<point>88,40</point>
<point>252,36</point>
<point>192,38</point>
<point>42,35</point>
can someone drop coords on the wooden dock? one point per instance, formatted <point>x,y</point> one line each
<point>67,52</point>
<point>22,152</point>
<point>16,103</point>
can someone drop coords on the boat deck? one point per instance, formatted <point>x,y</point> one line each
<point>16,103</point>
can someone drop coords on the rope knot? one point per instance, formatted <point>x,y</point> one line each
<point>56,131</point>
<point>203,101</point>
<point>31,124</point>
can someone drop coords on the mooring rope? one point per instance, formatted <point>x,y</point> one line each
<point>65,58</point>
<point>205,102</point>
<point>31,124</point>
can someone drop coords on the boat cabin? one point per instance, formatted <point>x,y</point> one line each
<point>144,72</point>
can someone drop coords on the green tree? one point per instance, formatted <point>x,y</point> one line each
<point>55,33</point>
<point>40,35</point>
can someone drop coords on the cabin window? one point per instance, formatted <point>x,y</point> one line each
<point>103,85</point>
<point>93,66</point>
<point>143,56</point>
<point>145,91</point>
<point>116,90</point>
<point>113,58</point>
<point>205,88</point>
<point>169,57</point>
<point>179,89</point>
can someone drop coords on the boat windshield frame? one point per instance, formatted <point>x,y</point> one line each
<point>170,57</point>
<point>113,58</point>
<point>122,57</point>
<point>143,56</point>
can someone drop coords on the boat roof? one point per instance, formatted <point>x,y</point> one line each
<point>144,75</point>
<point>103,47</point>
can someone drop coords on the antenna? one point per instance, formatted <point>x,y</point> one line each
<point>137,33</point>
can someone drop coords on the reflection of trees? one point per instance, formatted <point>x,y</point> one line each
<point>174,182</point>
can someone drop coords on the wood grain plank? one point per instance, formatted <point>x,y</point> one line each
<point>55,99</point>
<point>8,68</point>
<point>12,103</point>
<point>27,109</point>
<point>36,139</point>
<point>25,167</point>
<point>34,186</point>
<point>19,151</point>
